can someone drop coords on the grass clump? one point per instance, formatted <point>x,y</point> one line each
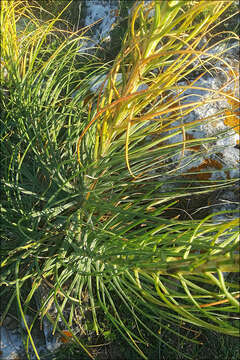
<point>84,209</point>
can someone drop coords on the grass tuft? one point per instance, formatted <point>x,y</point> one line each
<point>93,183</point>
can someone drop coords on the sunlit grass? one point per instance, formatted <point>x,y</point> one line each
<point>85,204</point>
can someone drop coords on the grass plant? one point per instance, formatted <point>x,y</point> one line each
<point>85,208</point>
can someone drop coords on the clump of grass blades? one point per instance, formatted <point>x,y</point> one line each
<point>100,226</point>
